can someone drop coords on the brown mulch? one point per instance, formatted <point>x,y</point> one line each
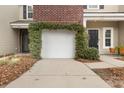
<point>88,61</point>
<point>9,72</point>
<point>121,59</point>
<point>113,76</point>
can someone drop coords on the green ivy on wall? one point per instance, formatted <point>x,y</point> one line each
<point>35,33</point>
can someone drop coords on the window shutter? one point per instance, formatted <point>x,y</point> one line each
<point>85,6</point>
<point>101,6</point>
<point>24,12</point>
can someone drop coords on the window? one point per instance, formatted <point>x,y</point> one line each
<point>93,7</point>
<point>29,12</point>
<point>107,37</point>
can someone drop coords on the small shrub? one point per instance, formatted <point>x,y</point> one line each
<point>9,61</point>
<point>14,61</point>
<point>118,49</point>
<point>81,43</point>
<point>2,62</point>
<point>90,53</point>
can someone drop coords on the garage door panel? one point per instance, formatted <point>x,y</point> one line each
<point>58,44</point>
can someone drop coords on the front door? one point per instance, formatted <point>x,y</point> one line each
<point>24,41</point>
<point>93,38</point>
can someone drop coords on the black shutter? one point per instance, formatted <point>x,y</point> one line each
<point>101,6</point>
<point>85,6</point>
<point>24,12</point>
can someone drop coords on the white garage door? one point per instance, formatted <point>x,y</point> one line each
<point>58,44</point>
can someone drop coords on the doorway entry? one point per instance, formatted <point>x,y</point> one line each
<point>24,40</point>
<point>93,38</point>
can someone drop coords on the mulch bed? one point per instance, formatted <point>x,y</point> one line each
<point>121,59</point>
<point>9,72</point>
<point>113,76</point>
<point>88,61</point>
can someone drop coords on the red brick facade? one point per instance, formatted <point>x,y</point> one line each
<point>58,13</point>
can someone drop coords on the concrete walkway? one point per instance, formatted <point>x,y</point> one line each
<point>59,73</point>
<point>112,60</point>
<point>108,62</point>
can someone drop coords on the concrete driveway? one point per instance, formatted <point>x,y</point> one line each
<point>59,73</point>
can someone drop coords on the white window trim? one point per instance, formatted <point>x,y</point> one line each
<point>27,13</point>
<point>98,7</point>
<point>112,34</point>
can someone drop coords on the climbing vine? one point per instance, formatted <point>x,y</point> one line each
<point>35,33</point>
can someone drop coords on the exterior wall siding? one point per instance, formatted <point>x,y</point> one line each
<point>107,8</point>
<point>8,37</point>
<point>121,8</point>
<point>55,13</point>
<point>117,25</point>
<point>100,25</point>
<point>121,33</point>
<point>20,12</point>
<point>58,13</point>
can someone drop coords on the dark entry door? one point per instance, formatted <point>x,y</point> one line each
<point>93,38</point>
<point>24,41</point>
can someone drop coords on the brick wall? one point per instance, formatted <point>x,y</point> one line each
<point>58,13</point>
